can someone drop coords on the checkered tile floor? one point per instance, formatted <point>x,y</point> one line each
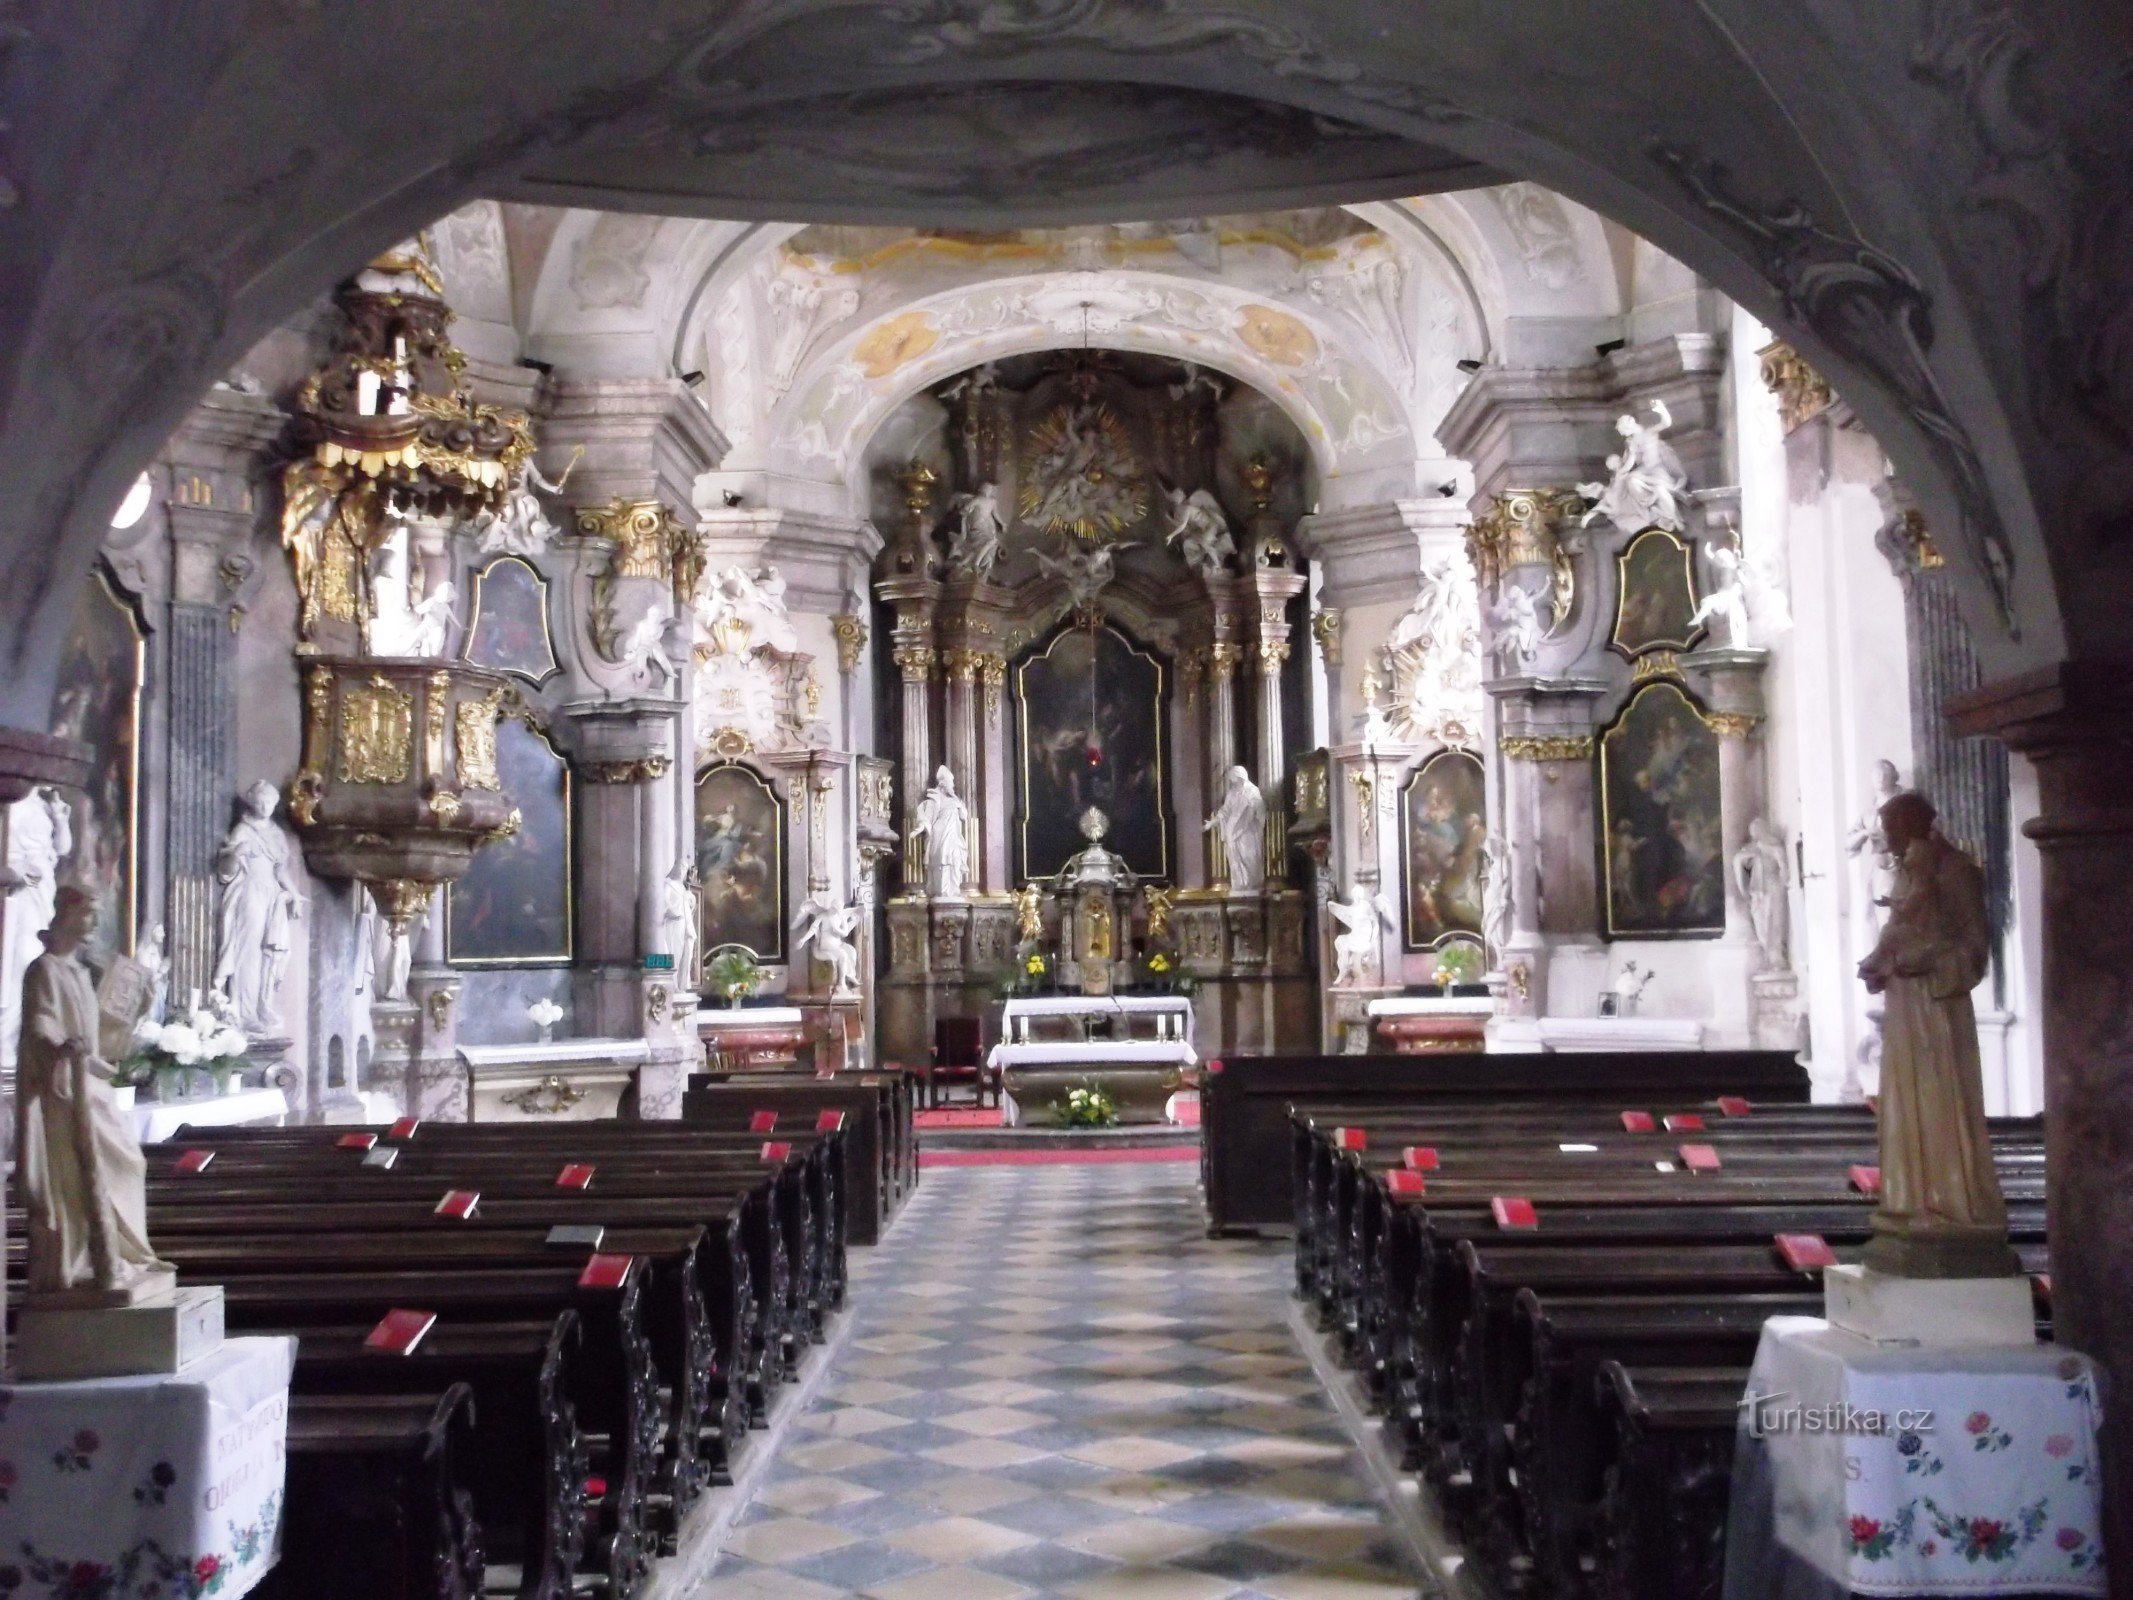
<point>1057,1385</point>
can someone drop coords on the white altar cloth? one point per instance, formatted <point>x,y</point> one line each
<point>159,1119</point>
<point>1171,1013</point>
<point>167,1485</point>
<point>1568,1034</point>
<point>1093,1053</point>
<point>1431,1005</point>
<point>2000,1494</point>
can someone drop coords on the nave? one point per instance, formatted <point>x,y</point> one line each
<point>1055,1383</point>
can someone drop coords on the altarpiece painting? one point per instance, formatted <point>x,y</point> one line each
<point>1655,605</point>
<point>1446,814</point>
<point>740,861</point>
<point>1662,852</point>
<point>513,908</point>
<point>97,702</point>
<point>1089,715</point>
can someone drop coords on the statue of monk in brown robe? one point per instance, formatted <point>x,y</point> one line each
<point>1941,1213</point>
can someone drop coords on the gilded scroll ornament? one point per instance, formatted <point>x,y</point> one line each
<point>475,731</point>
<point>644,533</point>
<point>1326,629</point>
<point>993,669</point>
<point>1802,393</point>
<point>1519,530</point>
<point>1561,747</point>
<point>377,732</point>
<point>641,770</point>
<point>551,1097</point>
<point>850,632</point>
<point>1731,724</point>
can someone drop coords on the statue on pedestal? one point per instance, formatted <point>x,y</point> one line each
<point>1869,852</point>
<point>1726,605</point>
<point>1240,824</point>
<point>1763,874</point>
<point>1029,914</point>
<point>829,927</point>
<point>40,835</point>
<point>1200,530</point>
<point>259,901</point>
<point>82,1175</point>
<point>1356,945</point>
<point>1942,1214</point>
<point>1496,897</point>
<point>681,921</point>
<point>943,821</point>
<point>974,545</point>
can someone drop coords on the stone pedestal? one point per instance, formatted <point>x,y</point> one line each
<point>160,1333</point>
<point>1928,1311</point>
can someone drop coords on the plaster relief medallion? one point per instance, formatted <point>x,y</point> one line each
<point>1082,476</point>
<point>609,274</point>
<point>509,630</point>
<point>1655,596</point>
<point>1278,336</point>
<point>1662,855</point>
<point>1441,846</point>
<point>895,343</point>
<point>514,906</point>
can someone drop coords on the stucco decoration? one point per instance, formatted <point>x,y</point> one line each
<point>1432,659</point>
<point>895,343</point>
<point>609,272</point>
<point>1276,335</point>
<point>1547,249</point>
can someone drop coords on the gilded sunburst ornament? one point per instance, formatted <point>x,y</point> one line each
<point>1081,475</point>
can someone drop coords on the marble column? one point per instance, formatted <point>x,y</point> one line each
<point>959,715</point>
<point>2075,723</point>
<point>915,662</point>
<point>1544,739</point>
<point>1220,685</point>
<point>1273,589</point>
<point>1731,685</point>
<point>998,793</point>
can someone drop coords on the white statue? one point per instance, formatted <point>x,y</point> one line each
<point>1518,629</point>
<point>1496,897</point>
<point>1628,988</point>
<point>1726,606</point>
<point>1648,478</point>
<point>1086,571</point>
<point>153,958</point>
<point>522,528</point>
<point>1763,873</point>
<point>643,652</point>
<point>974,546</point>
<point>1869,853</point>
<point>681,921</point>
<point>943,821</point>
<point>432,621</point>
<point>40,835</point>
<point>366,941</point>
<point>1240,823</point>
<point>830,926</point>
<point>1355,947</point>
<point>744,610</point>
<point>400,955</point>
<point>1941,1212</point>
<point>1200,530</point>
<point>82,1176</point>
<point>259,901</point>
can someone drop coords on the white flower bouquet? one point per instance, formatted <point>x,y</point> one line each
<point>544,1014</point>
<point>201,1040</point>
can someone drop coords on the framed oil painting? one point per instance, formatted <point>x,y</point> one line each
<point>740,860</point>
<point>1444,820</point>
<point>508,629</point>
<point>1662,855</point>
<point>513,908</point>
<point>98,702</point>
<point>1089,732</point>
<point>1655,595</point>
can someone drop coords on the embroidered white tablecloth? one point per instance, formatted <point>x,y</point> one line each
<point>156,1488</point>
<point>1889,1470</point>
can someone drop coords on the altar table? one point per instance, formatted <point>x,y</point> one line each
<point>159,1119</point>
<point>1171,1013</point>
<point>1140,1074</point>
<point>562,1080</point>
<point>1998,1493</point>
<point>169,1484</point>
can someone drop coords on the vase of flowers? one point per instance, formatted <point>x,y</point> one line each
<point>733,975</point>
<point>166,1054</point>
<point>1085,1106</point>
<point>1033,970</point>
<point>1458,964</point>
<point>544,1014</point>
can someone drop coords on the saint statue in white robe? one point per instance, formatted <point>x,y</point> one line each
<point>83,1180</point>
<point>943,821</point>
<point>1240,823</point>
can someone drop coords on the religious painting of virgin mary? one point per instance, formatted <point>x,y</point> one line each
<point>1662,854</point>
<point>740,861</point>
<point>1446,820</point>
<point>97,702</point>
<point>513,908</point>
<point>1089,715</point>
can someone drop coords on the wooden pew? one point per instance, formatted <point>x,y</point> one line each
<point>882,1162</point>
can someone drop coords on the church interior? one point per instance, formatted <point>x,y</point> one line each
<point>1058,798</point>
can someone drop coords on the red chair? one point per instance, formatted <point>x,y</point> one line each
<point>959,1052</point>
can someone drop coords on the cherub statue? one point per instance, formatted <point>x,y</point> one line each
<point>432,621</point>
<point>1199,528</point>
<point>1648,480</point>
<point>643,650</point>
<point>1029,914</point>
<point>829,926</point>
<point>1355,947</point>
<point>522,527</point>
<point>974,546</point>
<point>1726,606</point>
<point>1517,629</point>
<point>1086,572</point>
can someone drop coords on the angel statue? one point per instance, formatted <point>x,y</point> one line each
<point>643,649</point>
<point>522,527</point>
<point>1361,915</point>
<point>1199,528</point>
<point>432,621</point>
<point>1029,914</point>
<point>1648,478</point>
<point>1518,628</point>
<point>1085,572</point>
<point>830,926</point>
<point>974,545</point>
<point>1726,606</point>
